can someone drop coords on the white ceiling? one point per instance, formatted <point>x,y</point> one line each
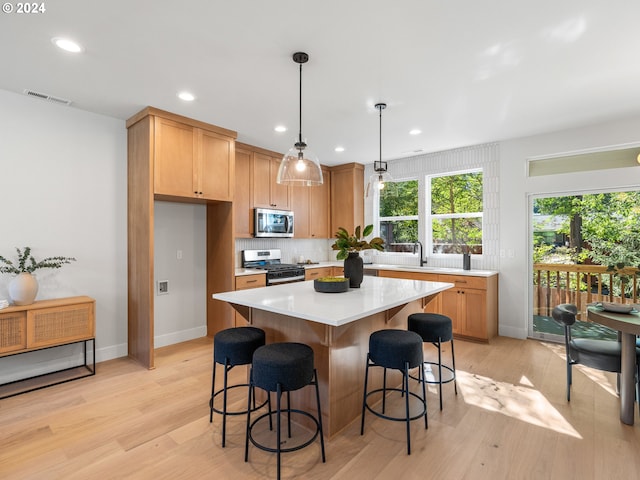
<point>463,71</point>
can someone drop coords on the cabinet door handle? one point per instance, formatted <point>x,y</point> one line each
<point>252,281</point>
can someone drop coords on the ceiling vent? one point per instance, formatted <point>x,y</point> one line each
<point>44,96</point>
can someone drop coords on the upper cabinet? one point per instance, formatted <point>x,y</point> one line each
<point>175,158</point>
<point>311,208</point>
<point>255,186</point>
<point>191,160</point>
<point>266,192</point>
<point>347,196</point>
<point>242,207</point>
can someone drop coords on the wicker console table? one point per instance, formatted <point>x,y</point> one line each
<point>48,324</point>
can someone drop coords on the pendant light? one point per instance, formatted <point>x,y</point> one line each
<point>381,176</point>
<point>300,166</point>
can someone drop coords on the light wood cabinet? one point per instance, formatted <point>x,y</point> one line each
<point>472,304</point>
<point>266,192</point>
<point>313,273</point>
<point>347,197</point>
<point>169,158</point>
<point>245,282</point>
<point>191,162</point>
<point>311,209</point>
<point>46,324</point>
<point>242,208</point>
<point>337,271</point>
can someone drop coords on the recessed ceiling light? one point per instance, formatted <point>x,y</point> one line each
<point>415,131</point>
<point>67,45</point>
<point>186,96</point>
<point>280,128</point>
<point>339,149</point>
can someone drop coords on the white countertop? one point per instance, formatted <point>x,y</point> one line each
<point>385,266</point>
<point>299,299</point>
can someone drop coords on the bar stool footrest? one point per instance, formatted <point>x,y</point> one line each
<point>431,374</point>
<point>237,412</point>
<point>284,449</point>
<point>395,419</point>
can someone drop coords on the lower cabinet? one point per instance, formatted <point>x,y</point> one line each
<point>435,305</point>
<point>313,273</point>
<point>244,282</point>
<point>472,303</point>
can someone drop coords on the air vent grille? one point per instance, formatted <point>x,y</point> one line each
<point>44,96</point>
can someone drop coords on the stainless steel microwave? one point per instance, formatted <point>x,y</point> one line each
<point>273,223</point>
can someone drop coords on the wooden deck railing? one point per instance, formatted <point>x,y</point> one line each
<point>581,284</point>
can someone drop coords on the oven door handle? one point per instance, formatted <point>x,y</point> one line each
<point>286,280</point>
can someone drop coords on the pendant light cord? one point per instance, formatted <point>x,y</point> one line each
<point>300,108</point>
<point>380,149</point>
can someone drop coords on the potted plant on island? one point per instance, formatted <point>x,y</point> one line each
<point>348,247</point>
<point>23,288</point>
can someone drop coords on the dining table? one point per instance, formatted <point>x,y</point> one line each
<point>628,324</point>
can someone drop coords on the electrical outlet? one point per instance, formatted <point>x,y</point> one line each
<point>163,287</point>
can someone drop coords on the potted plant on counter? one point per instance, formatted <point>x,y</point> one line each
<point>348,247</point>
<point>23,288</point>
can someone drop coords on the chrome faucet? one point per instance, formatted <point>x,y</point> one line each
<point>423,261</point>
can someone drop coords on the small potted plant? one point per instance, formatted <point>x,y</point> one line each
<point>24,286</point>
<point>348,247</point>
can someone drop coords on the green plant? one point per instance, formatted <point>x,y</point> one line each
<point>27,264</point>
<point>346,243</point>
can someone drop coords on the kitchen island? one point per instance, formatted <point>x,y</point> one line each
<point>337,326</point>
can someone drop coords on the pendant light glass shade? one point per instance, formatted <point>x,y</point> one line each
<point>300,166</point>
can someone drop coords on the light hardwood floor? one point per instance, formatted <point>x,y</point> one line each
<point>510,420</point>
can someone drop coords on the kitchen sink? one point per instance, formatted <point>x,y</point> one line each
<point>429,269</point>
<point>417,267</point>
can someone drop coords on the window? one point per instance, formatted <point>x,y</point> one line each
<point>398,215</point>
<point>454,206</point>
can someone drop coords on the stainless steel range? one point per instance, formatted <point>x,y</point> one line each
<point>270,260</point>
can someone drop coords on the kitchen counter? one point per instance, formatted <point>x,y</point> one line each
<point>385,266</point>
<point>337,327</point>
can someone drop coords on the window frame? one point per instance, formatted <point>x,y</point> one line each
<point>377,218</point>
<point>429,217</point>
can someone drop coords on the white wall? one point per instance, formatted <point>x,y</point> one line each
<point>181,314</point>
<point>64,192</point>
<point>516,188</point>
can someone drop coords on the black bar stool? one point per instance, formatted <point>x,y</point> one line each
<point>435,328</point>
<point>232,347</point>
<point>399,350</point>
<point>283,367</point>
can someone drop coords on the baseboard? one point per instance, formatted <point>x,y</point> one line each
<point>181,336</point>
<point>513,332</point>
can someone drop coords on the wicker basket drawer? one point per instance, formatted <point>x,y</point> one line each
<point>51,326</point>
<point>13,332</point>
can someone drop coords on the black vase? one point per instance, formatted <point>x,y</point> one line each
<point>354,269</point>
